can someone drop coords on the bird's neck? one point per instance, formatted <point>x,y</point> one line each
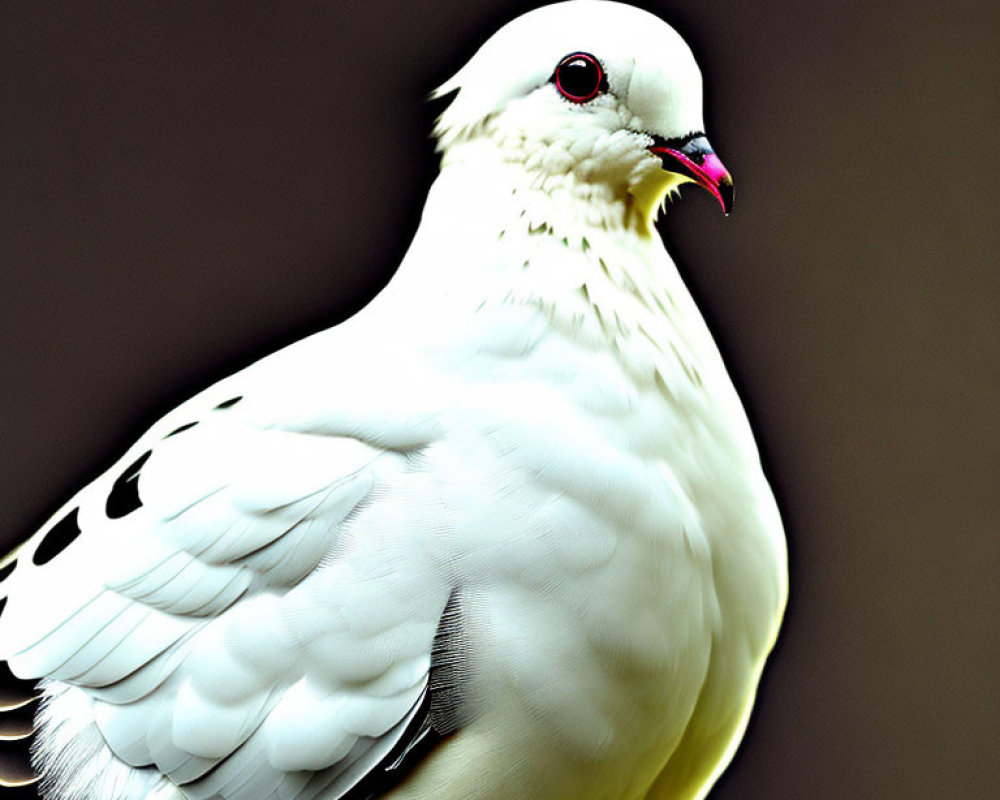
<point>494,229</point>
<point>536,187</point>
<point>490,236</point>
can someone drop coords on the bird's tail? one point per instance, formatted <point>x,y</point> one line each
<point>18,703</point>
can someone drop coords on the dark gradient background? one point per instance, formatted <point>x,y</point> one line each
<point>188,185</point>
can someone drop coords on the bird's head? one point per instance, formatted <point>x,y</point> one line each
<point>602,94</point>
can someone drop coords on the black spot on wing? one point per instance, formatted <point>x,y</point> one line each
<point>59,537</point>
<point>6,571</point>
<point>181,429</point>
<point>232,401</point>
<point>3,605</point>
<point>15,692</point>
<point>124,496</point>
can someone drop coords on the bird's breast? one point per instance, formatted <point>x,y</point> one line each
<point>583,540</point>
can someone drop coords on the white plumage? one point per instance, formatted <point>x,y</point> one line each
<point>503,534</point>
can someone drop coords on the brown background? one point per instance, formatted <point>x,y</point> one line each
<point>188,185</point>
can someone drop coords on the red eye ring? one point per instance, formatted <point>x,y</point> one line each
<point>579,77</point>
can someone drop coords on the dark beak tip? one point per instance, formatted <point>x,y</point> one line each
<point>727,194</point>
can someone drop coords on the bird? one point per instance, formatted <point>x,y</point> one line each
<point>504,533</point>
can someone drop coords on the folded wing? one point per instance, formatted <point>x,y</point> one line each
<point>218,609</point>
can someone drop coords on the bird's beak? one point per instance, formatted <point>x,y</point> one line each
<point>694,159</point>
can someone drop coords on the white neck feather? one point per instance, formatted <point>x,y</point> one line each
<point>494,233</point>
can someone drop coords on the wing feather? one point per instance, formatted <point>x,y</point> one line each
<point>204,610</point>
<point>237,601</point>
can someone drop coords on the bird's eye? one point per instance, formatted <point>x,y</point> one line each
<point>579,77</point>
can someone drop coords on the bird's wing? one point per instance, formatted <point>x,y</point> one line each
<point>234,597</point>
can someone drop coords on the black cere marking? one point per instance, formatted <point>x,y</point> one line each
<point>124,497</point>
<point>232,401</point>
<point>679,143</point>
<point>181,429</point>
<point>59,537</point>
<point>5,572</point>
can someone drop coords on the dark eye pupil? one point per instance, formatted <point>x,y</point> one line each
<point>579,77</point>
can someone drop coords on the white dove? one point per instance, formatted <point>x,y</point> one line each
<point>503,534</point>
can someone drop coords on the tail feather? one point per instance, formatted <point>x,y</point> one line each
<point>18,703</point>
<point>15,763</point>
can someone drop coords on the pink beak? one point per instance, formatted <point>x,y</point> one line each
<point>694,159</point>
